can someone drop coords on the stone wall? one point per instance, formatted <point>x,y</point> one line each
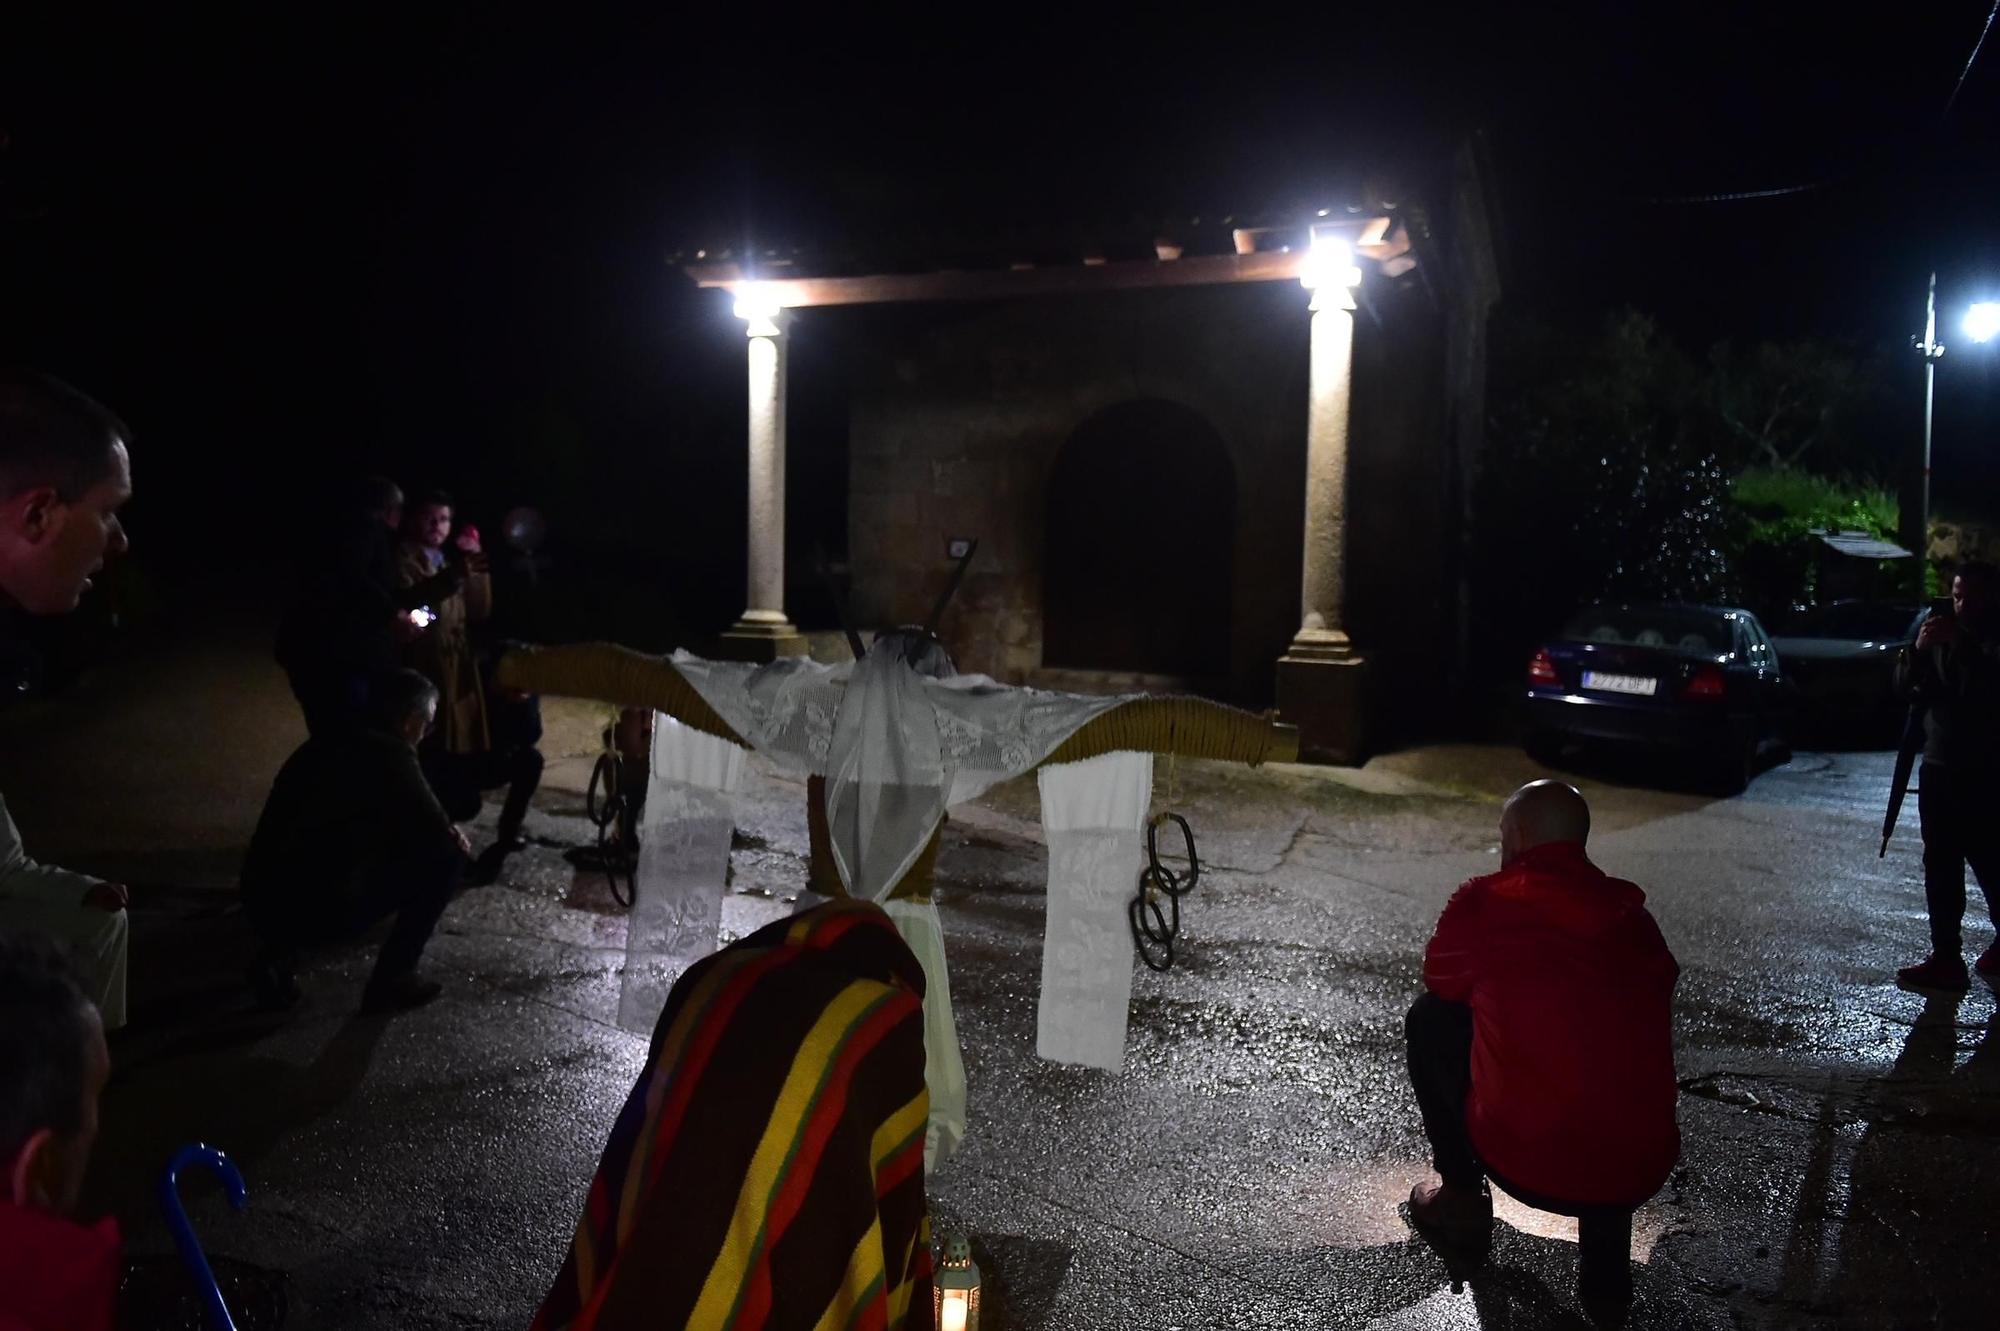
<point>1401,608</point>
<point>959,413</point>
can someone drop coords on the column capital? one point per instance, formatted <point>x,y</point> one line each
<point>1331,297</point>
<point>760,312</point>
<point>775,324</point>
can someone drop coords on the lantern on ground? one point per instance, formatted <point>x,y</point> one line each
<point>957,1287</point>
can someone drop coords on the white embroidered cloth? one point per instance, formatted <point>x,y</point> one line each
<point>683,865</point>
<point>944,1064</point>
<point>897,747</point>
<point>1094,815</point>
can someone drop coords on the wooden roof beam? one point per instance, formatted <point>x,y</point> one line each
<point>994,284</point>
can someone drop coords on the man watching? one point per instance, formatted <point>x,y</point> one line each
<point>352,833</point>
<point>54,1273</point>
<point>1953,672</point>
<point>64,474</point>
<point>1542,1055</point>
<point>352,617</point>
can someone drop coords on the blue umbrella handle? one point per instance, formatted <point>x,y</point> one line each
<point>192,1257</point>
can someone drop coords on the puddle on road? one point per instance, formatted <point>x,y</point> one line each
<point>1360,1205</point>
<point>1704,1022</point>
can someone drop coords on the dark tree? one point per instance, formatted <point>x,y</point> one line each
<point>1801,404</point>
<point>1604,478</point>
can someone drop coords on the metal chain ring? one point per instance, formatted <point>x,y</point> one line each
<point>1154,929</point>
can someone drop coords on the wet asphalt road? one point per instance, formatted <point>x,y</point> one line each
<point>1247,1167</point>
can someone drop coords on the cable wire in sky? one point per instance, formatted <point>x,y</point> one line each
<point>1970,60</point>
<point>1782,191</point>
<point>1737,196</point>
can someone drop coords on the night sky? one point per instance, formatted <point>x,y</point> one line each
<point>290,250</point>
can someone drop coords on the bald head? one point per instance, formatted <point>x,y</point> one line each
<point>1540,813</point>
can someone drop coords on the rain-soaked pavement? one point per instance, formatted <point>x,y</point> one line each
<point>1247,1168</point>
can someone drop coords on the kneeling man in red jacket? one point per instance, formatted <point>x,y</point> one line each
<point>1542,1055</point>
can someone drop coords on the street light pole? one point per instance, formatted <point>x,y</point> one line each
<point>1931,350</point>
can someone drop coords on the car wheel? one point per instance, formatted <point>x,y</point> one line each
<point>1544,746</point>
<point>1734,767</point>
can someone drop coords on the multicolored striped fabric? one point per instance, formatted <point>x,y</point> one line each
<point>767,1170</point>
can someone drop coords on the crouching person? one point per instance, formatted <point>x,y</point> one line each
<point>65,472</point>
<point>511,759</point>
<point>768,1168</point>
<point>351,833</point>
<point>1542,1055</point>
<point>86,914</point>
<point>55,1274</point>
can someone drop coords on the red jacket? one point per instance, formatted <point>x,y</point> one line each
<point>57,1275</point>
<point>1571,989</point>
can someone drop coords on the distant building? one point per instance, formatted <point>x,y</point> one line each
<point>1230,456</point>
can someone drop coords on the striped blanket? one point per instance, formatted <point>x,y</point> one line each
<point>767,1169</point>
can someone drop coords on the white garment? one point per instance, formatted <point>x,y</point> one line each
<point>784,709</point>
<point>49,900</point>
<point>683,866</point>
<point>887,776</point>
<point>1094,815</point>
<point>944,1065</point>
<point>897,747</point>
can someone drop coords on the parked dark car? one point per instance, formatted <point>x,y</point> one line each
<point>1842,656</point>
<point>1693,681</point>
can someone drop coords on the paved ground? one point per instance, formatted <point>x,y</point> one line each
<point>1843,1141</point>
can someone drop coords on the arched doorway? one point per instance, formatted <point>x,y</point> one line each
<point>1140,543</point>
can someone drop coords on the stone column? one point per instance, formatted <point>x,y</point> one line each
<point>1320,676</point>
<point>763,632</point>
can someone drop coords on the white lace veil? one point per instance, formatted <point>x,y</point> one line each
<point>898,736</point>
<point>887,775</point>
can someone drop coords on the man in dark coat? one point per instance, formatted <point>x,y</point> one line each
<point>352,833</point>
<point>1953,673</point>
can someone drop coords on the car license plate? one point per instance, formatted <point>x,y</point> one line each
<point>1604,683</point>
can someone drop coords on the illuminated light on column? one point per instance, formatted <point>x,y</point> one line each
<point>1329,264</point>
<point>764,628</point>
<point>1982,321</point>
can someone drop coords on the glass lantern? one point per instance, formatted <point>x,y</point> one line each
<point>957,1287</point>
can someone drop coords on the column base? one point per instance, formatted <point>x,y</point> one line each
<point>761,635</point>
<point>1325,695</point>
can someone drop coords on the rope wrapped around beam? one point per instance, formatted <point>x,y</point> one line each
<point>1187,727</point>
<point>605,672</point>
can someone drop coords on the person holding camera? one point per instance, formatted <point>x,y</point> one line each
<point>1953,673</point>
<point>485,738</point>
<point>441,650</point>
<point>353,614</point>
